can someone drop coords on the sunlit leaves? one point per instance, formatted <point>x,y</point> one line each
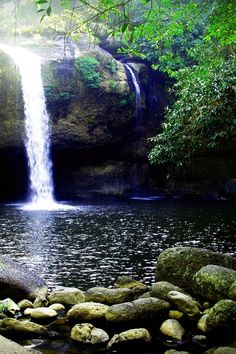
<point>203,116</point>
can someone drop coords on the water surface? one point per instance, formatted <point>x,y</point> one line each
<point>98,240</point>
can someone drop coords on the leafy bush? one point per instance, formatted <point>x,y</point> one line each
<point>203,117</point>
<point>89,70</point>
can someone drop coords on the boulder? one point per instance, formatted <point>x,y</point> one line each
<point>213,282</point>
<point>185,303</point>
<point>87,311</point>
<point>57,307</point>
<point>10,306</point>
<point>178,265</point>
<point>202,323</point>
<point>17,282</point>
<point>225,350</point>
<point>222,317</point>
<point>87,333</point>
<point>162,288</point>
<point>232,291</point>
<point>137,310</point>
<point>40,301</point>
<point>7,346</point>
<point>66,296</point>
<point>14,327</point>
<point>43,313</point>
<point>130,283</point>
<point>173,329</point>
<point>136,336</point>
<point>108,296</point>
<point>175,314</point>
<point>24,304</point>
<point>173,351</point>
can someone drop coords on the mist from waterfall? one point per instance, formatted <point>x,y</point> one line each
<point>37,141</point>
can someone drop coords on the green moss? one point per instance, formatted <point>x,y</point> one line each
<point>89,70</point>
<point>113,85</point>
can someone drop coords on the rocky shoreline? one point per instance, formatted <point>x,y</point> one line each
<point>191,308</point>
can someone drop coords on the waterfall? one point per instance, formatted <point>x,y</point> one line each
<point>137,89</point>
<point>37,141</point>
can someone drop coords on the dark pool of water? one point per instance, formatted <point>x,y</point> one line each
<point>99,240</point>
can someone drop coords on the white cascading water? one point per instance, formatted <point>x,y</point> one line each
<point>36,127</point>
<point>136,87</point>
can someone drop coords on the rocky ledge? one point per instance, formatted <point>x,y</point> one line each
<point>195,313</point>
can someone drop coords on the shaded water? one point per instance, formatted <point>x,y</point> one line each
<point>99,240</point>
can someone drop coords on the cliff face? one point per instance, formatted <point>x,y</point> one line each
<point>91,104</point>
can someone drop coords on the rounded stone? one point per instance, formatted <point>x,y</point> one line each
<point>225,350</point>
<point>57,307</point>
<point>185,303</point>
<point>172,328</point>
<point>137,335</point>
<point>178,265</point>
<point>175,314</point>
<point>24,304</point>
<point>232,291</point>
<point>140,309</point>
<point>66,296</point>
<point>222,317</point>
<point>130,283</point>
<point>43,313</point>
<point>202,323</point>
<point>213,282</point>
<point>22,328</point>
<point>108,296</point>
<point>87,311</point>
<point>87,333</point>
<point>162,288</point>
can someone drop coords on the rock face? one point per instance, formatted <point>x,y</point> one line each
<point>179,265</point>
<point>17,282</point>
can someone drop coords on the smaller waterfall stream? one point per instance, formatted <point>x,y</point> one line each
<point>37,141</point>
<point>137,89</point>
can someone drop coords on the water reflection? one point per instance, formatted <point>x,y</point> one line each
<point>93,244</point>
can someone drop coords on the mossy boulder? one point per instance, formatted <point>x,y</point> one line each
<point>173,329</point>
<point>178,265</point>
<point>232,291</point>
<point>18,282</point>
<point>133,337</point>
<point>162,288</point>
<point>26,329</point>
<point>87,311</point>
<point>7,346</point>
<point>185,303</point>
<point>87,333</point>
<point>222,317</point>
<point>129,283</point>
<point>137,310</point>
<point>213,282</point>
<point>66,296</point>
<point>108,296</point>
